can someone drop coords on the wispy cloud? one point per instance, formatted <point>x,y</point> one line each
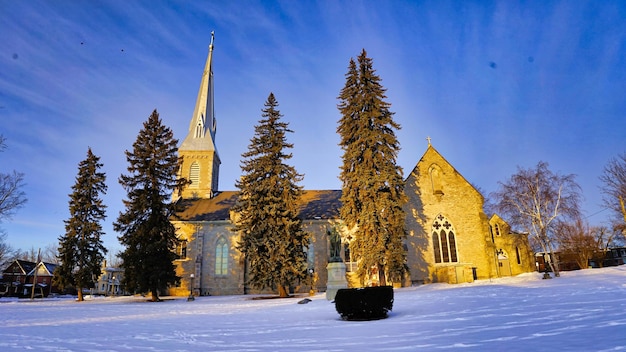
<point>496,85</point>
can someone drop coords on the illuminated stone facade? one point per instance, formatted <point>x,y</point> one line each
<point>450,238</point>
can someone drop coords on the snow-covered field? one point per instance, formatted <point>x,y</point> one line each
<point>580,311</point>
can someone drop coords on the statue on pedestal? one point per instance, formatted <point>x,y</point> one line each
<point>335,246</point>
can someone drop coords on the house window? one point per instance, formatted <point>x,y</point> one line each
<point>497,230</point>
<point>444,241</point>
<point>221,257</point>
<point>181,249</point>
<point>194,175</point>
<point>519,258</point>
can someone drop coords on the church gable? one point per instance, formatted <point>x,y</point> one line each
<point>434,174</point>
<point>446,224</point>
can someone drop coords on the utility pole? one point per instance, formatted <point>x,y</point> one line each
<point>32,290</point>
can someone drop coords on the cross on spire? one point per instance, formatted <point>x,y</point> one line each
<point>428,139</point>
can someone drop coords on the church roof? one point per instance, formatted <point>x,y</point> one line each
<point>316,205</point>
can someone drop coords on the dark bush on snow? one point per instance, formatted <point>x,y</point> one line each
<point>368,303</point>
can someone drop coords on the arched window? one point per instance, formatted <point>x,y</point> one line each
<point>199,132</point>
<point>194,175</point>
<point>435,179</point>
<point>444,241</point>
<point>181,249</point>
<point>519,257</point>
<point>221,257</point>
<point>310,256</point>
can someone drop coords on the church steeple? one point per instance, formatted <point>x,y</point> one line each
<point>203,118</point>
<point>200,159</point>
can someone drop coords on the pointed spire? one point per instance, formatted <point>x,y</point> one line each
<point>203,119</point>
<point>200,160</point>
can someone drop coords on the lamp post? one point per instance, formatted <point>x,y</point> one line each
<point>190,298</point>
<point>312,278</point>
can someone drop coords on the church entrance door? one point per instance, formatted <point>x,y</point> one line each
<point>505,267</point>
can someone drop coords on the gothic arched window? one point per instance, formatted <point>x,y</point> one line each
<point>181,249</point>
<point>194,175</point>
<point>435,179</point>
<point>221,257</point>
<point>444,241</point>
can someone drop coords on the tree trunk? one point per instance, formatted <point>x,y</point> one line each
<point>554,266</point>
<point>382,279</point>
<point>155,295</point>
<point>554,262</point>
<point>80,294</point>
<point>282,291</point>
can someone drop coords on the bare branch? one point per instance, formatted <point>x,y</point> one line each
<point>535,199</point>
<point>11,195</point>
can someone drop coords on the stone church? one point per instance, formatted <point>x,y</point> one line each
<point>450,238</point>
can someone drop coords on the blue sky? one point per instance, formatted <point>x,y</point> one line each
<point>495,85</point>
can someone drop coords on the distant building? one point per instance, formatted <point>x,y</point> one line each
<point>109,281</point>
<point>18,279</point>
<point>450,238</point>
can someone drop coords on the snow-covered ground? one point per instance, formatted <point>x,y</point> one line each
<point>580,311</point>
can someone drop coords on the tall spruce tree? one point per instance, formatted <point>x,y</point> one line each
<point>372,184</point>
<point>272,239</point>
<point>81,250</point>
<point>145,227</point>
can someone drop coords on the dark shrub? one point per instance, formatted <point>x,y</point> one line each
<point>368,303</point>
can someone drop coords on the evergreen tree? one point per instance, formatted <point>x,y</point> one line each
<point>272,239</point>
<point>81,251</point>
<point>146,232</point>
<point>372,184</point>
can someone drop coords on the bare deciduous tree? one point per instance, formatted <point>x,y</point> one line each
<point>50,254</point>
<point>581,242</point>
<point>535,200</point>
<point>614,189</point>
<point>11,195</point>
<point>5,249</point>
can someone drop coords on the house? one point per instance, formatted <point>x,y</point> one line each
<point>18,279</point>
<point>109,281</point>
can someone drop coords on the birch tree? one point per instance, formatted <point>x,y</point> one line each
<point>535,200</point>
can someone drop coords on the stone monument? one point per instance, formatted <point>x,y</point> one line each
<point>336,268</point>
